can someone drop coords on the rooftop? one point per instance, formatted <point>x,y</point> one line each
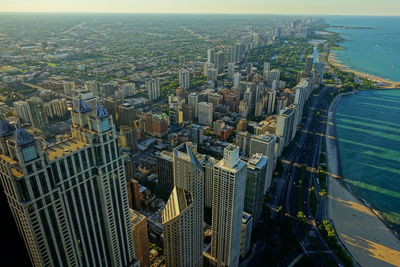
<point>60,149</point>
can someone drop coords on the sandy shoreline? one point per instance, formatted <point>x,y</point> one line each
<point>381,82</point>
<point>360,229</point>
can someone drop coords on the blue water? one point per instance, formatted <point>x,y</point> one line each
<point>368,128</point>
<point>373,51</point>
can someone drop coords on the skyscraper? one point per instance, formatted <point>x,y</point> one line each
<point>255,183</point>
<point>196,134</point>
<point>231,70</point>
<point>153,89</point>
<point>140,237</point>
<point>184,79</point>
<point>193,100</point>
<point>211,56</point>
<point>165,174</point>
<point>227,207</point>
<point>205,113</point>
<point>37,116</point>
<point>236,79</point>
<point>183,214</point>
<point>69,200</point>
<point>309,64</point>
<point>265,145</point>
<point>219,61</point>
<point>284,125</point>
<point>22,110</point>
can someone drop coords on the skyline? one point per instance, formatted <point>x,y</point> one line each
<point>274,7</point>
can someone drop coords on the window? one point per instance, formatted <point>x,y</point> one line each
<point>29,153</point>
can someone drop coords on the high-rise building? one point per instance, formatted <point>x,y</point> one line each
<point>153,89</point>
<point>231,70</point>
<point>176,116</point>
<point>22,110</point>
<point>55,108</point>
<point>37,116</point>
<point>236,79</point>
<point>68,87</point>
<point>126,115</point>
<point>183,214</point>
<point>128,138</point>
<point>265,145</point>
<point>193,100</point>
<point>212,74</point>
<point>245,235</point>
<point>196,134</point>
<point>215,98</point>
<point>165,173</point>
<point>219,61</point>
<point>243,142</point>
<point>255,183</point>
<point>160,123</point>
<point>272,75</point>
<point>184,79</point>
<point>271,102</point>
<point>227,207</point>
<point>207,163</point>
<point>140,238</point>
<point>211,55</point>
<point>205,113</point>
<point>69,200</point>
<point>284,125</point>
<point>309,64</point>
<point>187,112</point>
<point>267,66</point>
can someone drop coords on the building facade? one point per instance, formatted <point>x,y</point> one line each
<point>69,200</point>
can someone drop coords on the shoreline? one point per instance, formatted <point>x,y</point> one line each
<point>382,82</point>
<point>344,206</point>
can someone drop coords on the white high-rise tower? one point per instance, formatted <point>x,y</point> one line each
<point>227,207</point>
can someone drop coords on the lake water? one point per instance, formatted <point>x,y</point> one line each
<point>373,51</point>
<point>368,127</point>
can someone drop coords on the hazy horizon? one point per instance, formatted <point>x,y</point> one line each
<point>259,7</point>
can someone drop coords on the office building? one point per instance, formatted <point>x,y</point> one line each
<point>164,163</point>
<point>219,61</point>
<point>236,80</point>
<point>212,74</point>
<point>193,100</point>
<point>184,79</point>
<point>211,56</point>
<point>255,184</point>
<point>140,238</point>
<point>153,89</point>
<point>245,235</point>
<point>196,134</point>
<point>22,110</point>
<point>231,70</point>
<point>227,207</point>
<point>205,113</point>
<point>243,142</point>
<point>284,125</point>
<point>309,64</point>
<point>37,116</point>
<point>207,163</point>
<point>265,145</point>
<point>215,98</point>
<point>69,199</point>
<point>160,123</point>
<point>267,67</point>
<point>183,214</point>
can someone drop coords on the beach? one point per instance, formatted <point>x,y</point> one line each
<point>381,83</point>
<point>360,230</point>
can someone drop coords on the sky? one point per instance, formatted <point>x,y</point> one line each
<point>318,7</point>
